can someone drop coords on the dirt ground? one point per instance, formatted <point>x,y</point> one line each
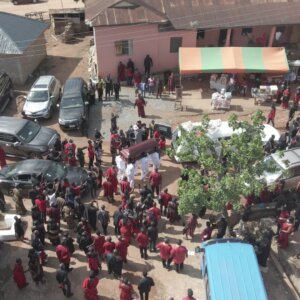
<point>66,60</point>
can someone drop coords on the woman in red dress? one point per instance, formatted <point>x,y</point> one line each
<point>126,290</point>
<point>140,103</point>
<point>121,71</point>
<point>285,232</point>
<point>19,274</point>
<point>90,287</point>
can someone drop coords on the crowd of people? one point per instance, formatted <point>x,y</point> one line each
<point>136,219</point>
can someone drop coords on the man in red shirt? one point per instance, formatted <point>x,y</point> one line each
<point>63,255</point>
<point>165,252</point>
<point>143,241</point>
<point>189,296</point>
<point>122,248</point>
<point>125,186</point>
<point>108,191</point>
<point>91,153</point>
<point>112,174</point>
<point>164,199</point>
<point>155,211</point>
<point>178,255</point>
<point>41,203</point>
<point>155,181</point>
<point>99,241</point>
<point>109,246</point>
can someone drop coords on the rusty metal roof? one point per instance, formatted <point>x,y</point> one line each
<point>192,14</point>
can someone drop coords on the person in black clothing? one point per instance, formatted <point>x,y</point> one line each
<point>80,156</point>
<point>103,217</point>
<point>40,228</point>
<point>33,194</point>
<point>117,216</point>
<point>69,242</point>
<point>36,215</point>
<point>145,285</point>
<point>118,265</point>
<point>144,192</point>
<point>153,235</point>
<point>92,184</point>
<point>117,89</point>
<point>110,261</point>
<point>92,214</point>
<point>63,280</point>
<point>84,242</point>
<point>221,227</point>
<point>53,232</point>
<point>113,122</point>
<point>130,64</point>
<point>19,231</point>
<point>148,64</point>
<point>108,87</point>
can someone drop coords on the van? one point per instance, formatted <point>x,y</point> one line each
<point>74,105</point>
<point>230,271</point>
<point>6,90</point>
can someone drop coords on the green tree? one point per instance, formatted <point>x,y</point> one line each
<point>234,168</point>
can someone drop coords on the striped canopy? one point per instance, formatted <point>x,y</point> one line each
<point>232,60</point>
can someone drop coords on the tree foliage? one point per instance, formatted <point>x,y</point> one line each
<point>232,173</point>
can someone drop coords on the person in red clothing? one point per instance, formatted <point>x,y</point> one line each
<point>155,181</point>
<point>99,241</point>
<point>164,199</point>
<point>156,134</point>
<point>108,246</point>
<point>143,241</point>
<point>165,252</point>
<point>189,296</point>
<point>155,211</point>
<point>285,231</point>
<point>19,274</point>
<point>93,262</point>
<point>178,255</point>
<point>271,115</point>
<point>53,212</point>
<point>122,248</point>
<point>283,216</point>
<point>125,186</point>
<point>126,290</point>
<point>89,286</point>
<point>108,191</point>
<point>162,145</point>
<point>91,154</point>
<point>63,255</point>
<point>125,226</point>
<point>286,94</point>
<point>112,174</point>
<point>140,103</point>
<point>2,158</point>
<point>206,233</point>
<point>41,203</point>
<point>191,226</point>
<point>297,97</point>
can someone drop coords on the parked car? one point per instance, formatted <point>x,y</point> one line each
<point>6,90</point>
<point>25,138</point>
<point>26,172</point>
<point>285,166</point>
<point>217,130</point>
<point>16,2</point>
<point>43,97</point>
<point>74,105</point>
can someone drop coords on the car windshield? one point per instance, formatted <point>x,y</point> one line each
<point>38,96</point>
<point>271,166</point>
<point>55,170</point>
<point>71,102</point>
<point>28,132</point>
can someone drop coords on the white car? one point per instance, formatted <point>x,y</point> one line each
<point>42,98</point>
<point>217,130</point>
<point>286,166</point>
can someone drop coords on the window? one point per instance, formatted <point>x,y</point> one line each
<point>52,87</point>
<point>246,31</point>
<point>4,137</point>
<point>123,47</point>
<point>200,34</point>
<point>175,43</point>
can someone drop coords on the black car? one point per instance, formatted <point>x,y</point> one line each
<point>25,173</point>
<point>25,138</point>
<point>74,106</point>
<point>6,90</point>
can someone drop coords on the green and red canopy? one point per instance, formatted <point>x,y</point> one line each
<point>232,60</point>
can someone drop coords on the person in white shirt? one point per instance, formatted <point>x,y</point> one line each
<point>130,173</point>
<point>121,167</point>
<point>154,157</point>
<point>144,161</point>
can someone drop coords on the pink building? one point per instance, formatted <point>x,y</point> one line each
<point>126,29</point>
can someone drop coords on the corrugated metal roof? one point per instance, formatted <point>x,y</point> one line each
<point>195,14</point>
<point>103,13</point>
<point>17,33</point>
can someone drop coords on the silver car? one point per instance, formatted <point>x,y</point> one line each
<point>285,166</point>
<point>42,98</point>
